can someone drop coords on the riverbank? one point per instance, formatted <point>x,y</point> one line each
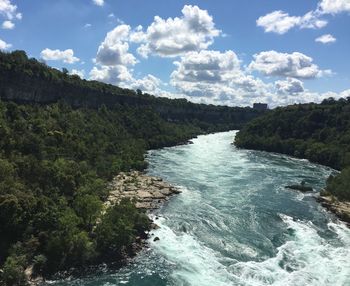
<point>148,192</point>
<point>339,208</point>
<point>233,224</point>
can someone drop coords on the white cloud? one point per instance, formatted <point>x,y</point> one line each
<point>98,2</point>
<point>206,66</point>
<point>296,65</point>
<point>9,12</point>
<point>8,25</point>
<point>114,49</point>
<point>193,31</point>
<point>80,73</point>
<point>113,59</point>
<point>66,56</point>
<point>280,22</point>
<point>325,39</point>
<point>334,6</point>
<point>208,76</point>
<point>4,45</point>
<point>291,86</point>
<point>87,25</point>
<point>7,9</point>
<point>215,75</point>
<point>111,74</point>
<point>311,20</point>
<point>277,22</point>
<point>148,83</point>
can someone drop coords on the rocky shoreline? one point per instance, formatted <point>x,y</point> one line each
<point>148,192</point>
<point>339,208</point>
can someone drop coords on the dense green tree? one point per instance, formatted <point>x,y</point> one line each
<point>318,132</point>
<point>339,185</point>
<point>61,140</point>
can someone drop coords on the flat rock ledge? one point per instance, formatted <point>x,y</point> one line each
<point>340,209</point>
<point>149,192</point>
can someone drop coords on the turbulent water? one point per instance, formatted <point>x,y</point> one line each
<point>236,224</point>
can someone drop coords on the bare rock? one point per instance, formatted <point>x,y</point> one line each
<point>148,191</point>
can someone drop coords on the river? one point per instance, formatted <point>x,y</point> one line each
<point>235,224</point>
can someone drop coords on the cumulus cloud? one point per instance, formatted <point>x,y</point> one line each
<point>203,75</point>
<point>280,22</point>
<point>193,31</point>
<point>277,22</point>
<point>8,25</point>
<point>113,59</point>
<point>206,66</point>
<point>111,74</point>
<point>80,73</point>
<point>7,9</point>
<point>114,49</point>
<point>291,86</point>
<point>148,83</point>
<point>297,65</point>
<point>334,6</point>
<point>67,56</point>
<point>215,75</point>
<point>4,45</point>
<point>311,20</point>
<point>98,2</point>
<point>10,13</point>
<point>326,39</point>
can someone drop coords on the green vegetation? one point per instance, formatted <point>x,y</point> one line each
<point>339,186</point>
<point>55,162</point>
<point>61,140</point>
<point>318,132</point>
<point>28,80</point>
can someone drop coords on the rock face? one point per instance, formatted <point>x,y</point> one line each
<point>148,192</point>
<point>340,209</point>
<point>302,188</point>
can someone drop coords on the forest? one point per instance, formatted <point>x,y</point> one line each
<point>62,139</point>
<point>27,80</point>
<point>317,132</point>
<point>55,162</point>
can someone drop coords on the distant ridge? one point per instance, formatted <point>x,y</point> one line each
<point>25,80</point>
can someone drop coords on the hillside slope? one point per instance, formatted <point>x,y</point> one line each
<point>318,132</point>
<point>29,81</point>
<point>61,140</point>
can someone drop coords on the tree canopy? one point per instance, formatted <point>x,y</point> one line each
<point>318,132</point>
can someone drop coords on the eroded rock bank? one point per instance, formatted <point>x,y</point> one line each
<point>340,208</point>
<point>149,192</point>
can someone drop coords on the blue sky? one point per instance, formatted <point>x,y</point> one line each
<point>221,52</point>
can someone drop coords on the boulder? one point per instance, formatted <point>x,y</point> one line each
<point>301,188</point>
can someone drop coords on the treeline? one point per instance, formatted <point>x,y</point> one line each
<point>29,80</point>
<point>61,140</point>
<point>55,162</point>
<point>318,132</point>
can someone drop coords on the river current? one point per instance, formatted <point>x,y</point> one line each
<point>235,224</point>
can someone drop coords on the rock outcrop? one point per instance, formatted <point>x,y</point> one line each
<point>339,208</point>
<point>148,192</point>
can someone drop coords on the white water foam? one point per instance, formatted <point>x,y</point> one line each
<point>305,259</point>
<point>194,264</point>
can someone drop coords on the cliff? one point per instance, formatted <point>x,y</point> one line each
<point>26,80</point>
